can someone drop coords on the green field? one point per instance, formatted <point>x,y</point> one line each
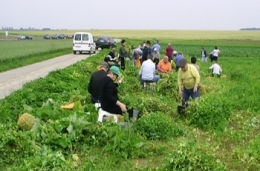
<point>219,133</point>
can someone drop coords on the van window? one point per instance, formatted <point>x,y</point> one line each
<point>84,36</point>
<point>77,37</point>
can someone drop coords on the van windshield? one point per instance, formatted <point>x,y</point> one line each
<point>84,36</point>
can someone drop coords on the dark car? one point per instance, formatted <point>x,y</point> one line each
<point>28,37</point>
<point>105,42</point>
<point>55,36</point>
<point>61,36</point>
<point>46,36</point>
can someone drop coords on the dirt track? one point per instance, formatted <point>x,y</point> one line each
<point>13,80</point>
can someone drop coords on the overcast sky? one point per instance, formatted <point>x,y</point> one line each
<point>131,14</point>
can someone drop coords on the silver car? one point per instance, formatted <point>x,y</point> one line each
<point>21,37</point>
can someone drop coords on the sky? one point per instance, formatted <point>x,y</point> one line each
<point>131,14</point>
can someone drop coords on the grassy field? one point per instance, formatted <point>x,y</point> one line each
<point>154,34</point>
<point>219,133</point>
<point>18,53</point>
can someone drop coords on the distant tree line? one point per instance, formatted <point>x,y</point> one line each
<point>252,28</point>
<point>28,28</point>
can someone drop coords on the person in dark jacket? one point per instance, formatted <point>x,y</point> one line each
<point>122,54</point>
<point>146,51</point>
<point>94,83</point>
<point>109,94</point>
<point>203,55</point>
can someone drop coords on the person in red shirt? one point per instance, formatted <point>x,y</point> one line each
<point>169,52</point>
<point>164,65</point>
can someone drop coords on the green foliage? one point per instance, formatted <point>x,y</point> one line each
<point>210,113</point>
<point>187,157</point>
<point>250,154</point>
<point>157,126</point>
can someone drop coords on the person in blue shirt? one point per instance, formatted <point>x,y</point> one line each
<point>156,46</point>
<point>177,61</point>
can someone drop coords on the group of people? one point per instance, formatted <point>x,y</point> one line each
<point>103,88</point>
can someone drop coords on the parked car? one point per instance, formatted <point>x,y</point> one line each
<point>61,36</point>
<point>105,42</point>
<point>69,37</point>
<point>21,37</point>
<point>28,37</point>
<point>46,36</point>
<point>55,36</point>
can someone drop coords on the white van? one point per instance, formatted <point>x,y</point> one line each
<point>83,42</point>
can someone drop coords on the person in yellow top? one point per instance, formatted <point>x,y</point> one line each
<point>164,65</point>
<point>188,82</point>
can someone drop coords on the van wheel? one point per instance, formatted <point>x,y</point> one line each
<point>74,52</point>
<point>94,51</point>
<point>80,52</point>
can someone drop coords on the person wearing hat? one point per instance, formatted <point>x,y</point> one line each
<point>188,81</point>
<point>109,94</point>
<point>156,56</point>
<point>96,77</point>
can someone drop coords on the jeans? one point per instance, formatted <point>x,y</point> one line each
<point>156,78</point>
<point>187,93</point>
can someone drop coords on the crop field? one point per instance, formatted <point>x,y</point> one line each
<point>219,133</point>
<point>17,53</point>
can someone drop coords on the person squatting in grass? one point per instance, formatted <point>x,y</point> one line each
<point>216,69</point>
<point>147,71</point>
<point>164,65</point>
<point>188,82</point>
<point>95,79</point>
<point>109,94</point>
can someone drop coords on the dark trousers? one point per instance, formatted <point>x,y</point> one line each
<point>122,61</point>
<point>187,93</point>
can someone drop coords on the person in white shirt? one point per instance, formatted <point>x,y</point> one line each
<point>147,71</point>
<point>216,69</point>
<point>215,53</point>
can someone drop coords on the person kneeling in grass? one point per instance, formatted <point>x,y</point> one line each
<point>188,81</point>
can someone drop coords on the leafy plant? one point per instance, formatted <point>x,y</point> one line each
<point>157,126</point>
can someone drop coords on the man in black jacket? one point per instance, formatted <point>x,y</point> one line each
<point>94,83</point>
<point>146,51</point>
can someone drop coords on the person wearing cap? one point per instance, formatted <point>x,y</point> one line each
<point>136,57</point>
<point>147,71</point>
<point>95,79</point>
<point>156,46</point>
<point>109,94</point>
<point>164,65</point>
<point>156,57</point>
<point>188,81</point>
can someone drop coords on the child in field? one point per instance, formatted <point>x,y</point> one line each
<point>216,69</point>
<point>193,62</point>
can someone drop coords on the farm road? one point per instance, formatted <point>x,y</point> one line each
<point>14,79</point>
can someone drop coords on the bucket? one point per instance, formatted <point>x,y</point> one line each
<point>135,114</point>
